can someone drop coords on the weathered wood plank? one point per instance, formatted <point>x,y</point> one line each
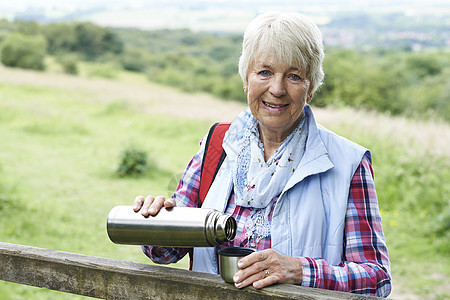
<point>113,279</point>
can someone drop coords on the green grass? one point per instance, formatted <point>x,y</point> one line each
<point>413,188</point>
<point>60,147</point>
<point>58,159</point>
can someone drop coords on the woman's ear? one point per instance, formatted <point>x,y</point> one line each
<point>310,97</point>
<point>245,89</point>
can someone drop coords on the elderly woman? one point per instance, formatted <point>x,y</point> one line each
<point>302,196</point>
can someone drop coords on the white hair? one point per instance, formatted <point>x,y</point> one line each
<point>291,37</point>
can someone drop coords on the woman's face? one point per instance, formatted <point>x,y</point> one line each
<point>276,95</point>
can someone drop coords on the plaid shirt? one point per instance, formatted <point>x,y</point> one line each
<point>365,265</point>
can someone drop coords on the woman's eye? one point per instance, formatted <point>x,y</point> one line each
<point>295,77</point>
<point>264,73</point>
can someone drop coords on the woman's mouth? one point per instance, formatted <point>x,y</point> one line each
<point>274,106</point>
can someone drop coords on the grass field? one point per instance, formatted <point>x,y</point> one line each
<point>61,136</point>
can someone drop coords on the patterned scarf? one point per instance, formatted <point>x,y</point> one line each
<point>257,182</point>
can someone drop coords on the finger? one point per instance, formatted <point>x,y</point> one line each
<point>266,281</point>
<point>245,281</point>
<point>146,206</point>
<point>251,273</point>
<point>253,258</point>
<point>156,205</point>
<point>137,204</point>
<point>170,203</point>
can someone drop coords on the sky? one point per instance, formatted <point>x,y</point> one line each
<point>224,15</point>
<point>17,5</point>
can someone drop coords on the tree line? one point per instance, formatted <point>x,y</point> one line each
<point>392,80</point>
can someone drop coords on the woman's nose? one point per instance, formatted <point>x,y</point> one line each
<point>277,86</point>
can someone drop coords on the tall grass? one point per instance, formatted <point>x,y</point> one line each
<point>61,137</point>
<point>412,176</point>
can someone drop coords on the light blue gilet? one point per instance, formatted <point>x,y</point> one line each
<point>309,216</point>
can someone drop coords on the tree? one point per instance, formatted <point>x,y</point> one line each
<point>24,51</point>
<point>61,38</point>
<point>94,41</point>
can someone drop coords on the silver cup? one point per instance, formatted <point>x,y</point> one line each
<point>228,259</point>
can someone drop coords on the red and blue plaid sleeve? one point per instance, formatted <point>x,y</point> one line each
<point>185,195</point>
<point>365,267</point>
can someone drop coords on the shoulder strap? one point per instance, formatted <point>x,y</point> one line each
<point>212,158</point>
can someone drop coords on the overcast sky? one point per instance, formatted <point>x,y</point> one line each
<point>225,15</point>
<point>20,4</point>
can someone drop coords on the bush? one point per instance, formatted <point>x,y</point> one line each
<point>24,51</point>
<point>133,162</point>
<point>135,59</point>
<point>69,64</point>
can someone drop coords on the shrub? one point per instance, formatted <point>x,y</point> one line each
<point>132,161</point>
<point>24,51</point>
<point>135,59</point>
<point>69,64</point>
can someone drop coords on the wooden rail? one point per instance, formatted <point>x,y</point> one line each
<point>113,279</point>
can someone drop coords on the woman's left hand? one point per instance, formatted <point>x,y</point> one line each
<point>266,268</point>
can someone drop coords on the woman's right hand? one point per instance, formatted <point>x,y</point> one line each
<point>151,205</point>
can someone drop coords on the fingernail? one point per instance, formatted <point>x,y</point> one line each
<point>236,279</point>
<point>152,210</point>
<point>240,264</point>
<point>238,284</point>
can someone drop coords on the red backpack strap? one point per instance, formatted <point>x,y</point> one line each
<point>213,157</point>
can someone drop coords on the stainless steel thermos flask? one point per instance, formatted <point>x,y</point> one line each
<point>171,227</point>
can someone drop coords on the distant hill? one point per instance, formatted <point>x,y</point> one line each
<point>352,24</point>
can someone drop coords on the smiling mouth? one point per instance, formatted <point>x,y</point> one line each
<point>274,105</point>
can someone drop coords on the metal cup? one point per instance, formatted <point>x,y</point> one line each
<point>228,259</point>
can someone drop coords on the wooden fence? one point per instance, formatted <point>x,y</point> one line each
<point>113,279</point>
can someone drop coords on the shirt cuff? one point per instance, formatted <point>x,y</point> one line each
<point>309,272</point>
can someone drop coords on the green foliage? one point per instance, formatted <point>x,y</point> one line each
<point>132,161</point>
<point>28,27</point>
<point>192,62</point>
<point>93,40</point>
<point>23,51</point>
<point>394,82</point>
<point>61,38</point>
<point>135,59</point>
<point>6,28</point>
<point>88,39</point>
<point>69,63</point>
